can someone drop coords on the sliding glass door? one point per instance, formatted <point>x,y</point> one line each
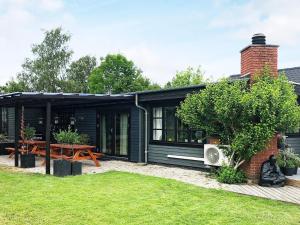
<point>114,133</point>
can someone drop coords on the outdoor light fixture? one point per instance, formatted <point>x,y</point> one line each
<point>41,120</point>
<point>72,120</point>
<point>56,120</point>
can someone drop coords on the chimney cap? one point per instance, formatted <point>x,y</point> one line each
<point>259,39</point>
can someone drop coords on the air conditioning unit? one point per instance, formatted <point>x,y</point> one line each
<point>214,156</point>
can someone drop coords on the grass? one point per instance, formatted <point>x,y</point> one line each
<point>124,198</point>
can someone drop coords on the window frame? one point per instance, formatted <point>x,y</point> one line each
<point>175,142</point>
<point>4,130</point>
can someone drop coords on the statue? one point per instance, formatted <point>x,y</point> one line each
<point>270,174</point>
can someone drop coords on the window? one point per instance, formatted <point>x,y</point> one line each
<point>169,123</point>
<point>4,120</point>
<point>157,124</point>
<point>167,128</point>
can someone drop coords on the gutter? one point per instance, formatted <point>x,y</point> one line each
<point>146,126</point>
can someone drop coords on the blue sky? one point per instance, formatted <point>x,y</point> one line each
<point>160,36</point>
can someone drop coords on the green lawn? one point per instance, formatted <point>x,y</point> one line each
<point>124,198</point>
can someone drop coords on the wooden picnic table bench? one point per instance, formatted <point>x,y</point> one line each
<point>78,152</point>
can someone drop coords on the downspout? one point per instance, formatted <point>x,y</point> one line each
<point>146,126</point>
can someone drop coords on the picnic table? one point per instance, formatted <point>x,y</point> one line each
<point>32,146</point>
<point>77,152</point>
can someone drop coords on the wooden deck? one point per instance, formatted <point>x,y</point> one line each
<point>286,194</point>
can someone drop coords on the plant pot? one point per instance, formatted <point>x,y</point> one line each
<point>61,168</point>
<point>28,161</point>
<point>296,170</point>
<point>76,168</point>
<point>288,171</point>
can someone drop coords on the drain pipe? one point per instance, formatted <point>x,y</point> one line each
<point>146,126</point>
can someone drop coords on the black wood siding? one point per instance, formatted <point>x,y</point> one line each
<point>159,154</point>
<point>136,152</point>
<point>86,123</point>
<point>11,123</point>
<point>294,142</point>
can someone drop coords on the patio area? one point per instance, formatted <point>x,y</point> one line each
<point>195,177</point>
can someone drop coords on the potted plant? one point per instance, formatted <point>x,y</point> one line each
<point>288,162</point>
<point>297,163</point>
<point>62,167</point>
<point>28,159</point>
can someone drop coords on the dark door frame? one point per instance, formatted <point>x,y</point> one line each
<point>114,112</point>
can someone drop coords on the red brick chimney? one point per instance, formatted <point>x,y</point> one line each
<point>253,59</point>
<point>257,55</point>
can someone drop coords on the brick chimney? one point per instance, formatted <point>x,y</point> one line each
<point>253,59</point>
<point>257,55</point>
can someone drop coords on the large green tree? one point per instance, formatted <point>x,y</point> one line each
<point>78,73</point>
<point>45,71</point>
<point>117,74</point>
<point>244,117</point>
<point>187,77</point>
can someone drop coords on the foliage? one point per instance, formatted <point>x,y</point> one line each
<point>78,73</point>
<point>245,117</point>
<point>229,175</point>
<point>45,71</point>
<point>187,77</point>
<point>29,133</point>
<point>67,136</point>
<point>117,74</point>
<point>84,139</point>
<point>119,198</point>
<point>3,138</point>
<point>288,158</point>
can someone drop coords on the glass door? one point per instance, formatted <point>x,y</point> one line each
<point>106,132</point>
<point>114,133</point>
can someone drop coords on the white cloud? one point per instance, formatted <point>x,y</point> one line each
<point>21,24</point>
<point>51,5</point>
<point>278,20</point>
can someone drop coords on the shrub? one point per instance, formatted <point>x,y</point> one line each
<point>3,138</point>
<point>229,175</point>
<point>288,158</point>
<point>67,136</point>
<point>84,139</point>
<point>29,133</point>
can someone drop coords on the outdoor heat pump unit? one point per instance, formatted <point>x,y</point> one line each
<point>214,156</point>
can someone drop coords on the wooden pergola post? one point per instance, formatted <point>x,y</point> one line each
<point>48,133</point>
<point>17,132</point>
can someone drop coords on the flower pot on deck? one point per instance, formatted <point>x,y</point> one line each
<point>28,161</point>
<point>296,170</point>
<point>76,168</point>
<point>61,168</point>
<point>288,171</point>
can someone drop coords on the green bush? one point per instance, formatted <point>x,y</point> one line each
<point>84,139</point>
<point>3,138</point>
<point>229,175</point>
<point>67,136</point>
<point>29,133</point>
<point>288,158</point>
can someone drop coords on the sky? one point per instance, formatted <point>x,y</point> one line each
<point>160,36</point>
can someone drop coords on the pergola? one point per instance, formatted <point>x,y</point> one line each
<point>48,101</point>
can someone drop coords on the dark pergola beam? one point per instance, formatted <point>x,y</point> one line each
<point>48,133</point>
<point>17,132</point>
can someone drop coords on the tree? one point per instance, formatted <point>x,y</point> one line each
<point>187,77</point>
<point>117,74</point>
<point>13,86</point>
<point>245,117</point>
<point>46,71</point>
<point>78,73</point>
